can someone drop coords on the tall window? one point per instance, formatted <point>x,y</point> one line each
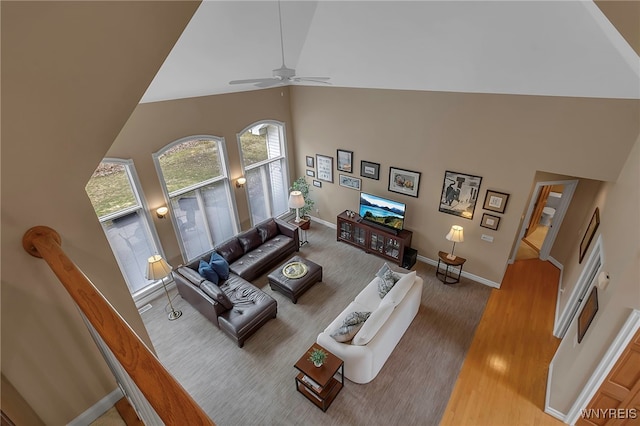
<point>194,176</point>
<point>114,192</point>
<point>262,147</point>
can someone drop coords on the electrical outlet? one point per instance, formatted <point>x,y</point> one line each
<point>486,238</point>
<point>317,210</point>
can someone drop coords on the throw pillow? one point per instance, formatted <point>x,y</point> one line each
<point>369,329</point>
<point>207,271</point>
<point>219,265</point>
<point>351,324</point>
<point>388,280</point>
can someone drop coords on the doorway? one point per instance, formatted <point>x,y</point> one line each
<point>544,216</point>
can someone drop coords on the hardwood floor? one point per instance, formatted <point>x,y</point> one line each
<point>503,379</point>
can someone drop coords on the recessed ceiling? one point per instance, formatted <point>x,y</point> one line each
<point>550,48</point>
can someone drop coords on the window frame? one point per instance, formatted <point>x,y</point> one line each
<point>150,229</point>
<point>283,158</point>
<point>224,178</point>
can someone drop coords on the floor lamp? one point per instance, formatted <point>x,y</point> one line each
<point>159,269</point>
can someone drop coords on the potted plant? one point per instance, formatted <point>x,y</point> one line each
<point>301,185</point>
<point>317,356</point>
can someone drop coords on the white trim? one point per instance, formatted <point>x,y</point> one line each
<point>567,195</point>
<point>547,408</point>
<point>323,222</point>
<point>564,319</point>
<point>620,343</point>
<point>97,409</point>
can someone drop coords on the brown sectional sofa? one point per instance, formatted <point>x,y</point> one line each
<point>235,305</point>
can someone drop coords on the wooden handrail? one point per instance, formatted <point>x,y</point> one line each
<point>169,399</point>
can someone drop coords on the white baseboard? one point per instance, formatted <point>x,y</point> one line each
<point>97,409</point>
<point>472,277</point>
<point>547,408</point>
<point>323,222</point>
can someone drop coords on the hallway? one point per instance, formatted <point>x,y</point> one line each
<point>503,379</point>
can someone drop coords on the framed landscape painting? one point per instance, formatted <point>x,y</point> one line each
<point>350,182</point>
<point>459,194</point>
<point>345,161</point>
<point>404,181</point>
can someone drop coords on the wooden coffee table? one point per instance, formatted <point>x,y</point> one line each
<point>320,385</point>
<point>294,287</point>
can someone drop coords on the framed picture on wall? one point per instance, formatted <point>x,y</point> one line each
<point>495,201</point>
<point>459,194</point>
<point>345,161</point>
<point>370,170</point>
<point>311,173</point>
<point>350,182</point>
<point>324,167</point>
<point>309,161</point>
<point>490,221</point>
<point>588,234</point>
<point>588,313</point>
<point>404,181</point>
<point>317,183</point>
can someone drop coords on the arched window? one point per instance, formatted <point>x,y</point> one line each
<point>193,173</point>
<point>114,192</point>
<point>264,161</point>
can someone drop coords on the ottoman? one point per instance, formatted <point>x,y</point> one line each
<point>294,287</point>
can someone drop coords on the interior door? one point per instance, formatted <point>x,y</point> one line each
<point>617,401</point>
<point>537,210</point>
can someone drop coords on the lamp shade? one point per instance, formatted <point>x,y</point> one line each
<point>455,234</point>
<point>296,200</point>
<point>157,268</point>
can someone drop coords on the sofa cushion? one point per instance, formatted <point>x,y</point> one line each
<point>350,326</point>
<point>268,229</point>
<point>231,250</point>
<point>388,278</point>
<point>207,272</point>
<point>250,240</point>
<point>216,293</point>
<point>371,326</point>
<point>400,289</point>
<point>219,265</point>
<point>369,296</point>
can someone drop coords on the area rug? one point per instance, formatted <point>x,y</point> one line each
<point>254,385</point>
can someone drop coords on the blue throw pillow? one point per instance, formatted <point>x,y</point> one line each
<point>220,265</point>
<point>207,272</point>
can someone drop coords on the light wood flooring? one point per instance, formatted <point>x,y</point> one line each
<point>503,379</point>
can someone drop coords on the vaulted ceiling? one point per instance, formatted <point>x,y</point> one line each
<point>551,48</point>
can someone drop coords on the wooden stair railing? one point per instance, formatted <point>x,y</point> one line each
<point>168,398</point>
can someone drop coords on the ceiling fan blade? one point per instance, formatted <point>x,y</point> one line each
<point>251,80</point>
<point>322,80</point>
<point>269,82</point>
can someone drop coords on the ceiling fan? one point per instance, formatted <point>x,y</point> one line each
<point>282,75</point>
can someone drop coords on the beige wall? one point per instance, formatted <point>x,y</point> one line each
<point>154,125</point>
<point>72,73</point>
<point>504,139</point>
<point>619,227</point>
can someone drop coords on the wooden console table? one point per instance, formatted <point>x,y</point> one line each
<point>371,239</point>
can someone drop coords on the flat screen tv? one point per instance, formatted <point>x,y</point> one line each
<point>382,211</point>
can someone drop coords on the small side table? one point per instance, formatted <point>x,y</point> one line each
<point>320,385</point>
<point>445,274</point>
<point>303,225</point>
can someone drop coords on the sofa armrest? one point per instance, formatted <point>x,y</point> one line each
<point>288,230</point>
<point>190,275</point>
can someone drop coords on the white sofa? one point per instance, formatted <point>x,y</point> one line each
<point>390,317</point>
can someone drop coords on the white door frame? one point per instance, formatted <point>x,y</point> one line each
<point>567,195</point>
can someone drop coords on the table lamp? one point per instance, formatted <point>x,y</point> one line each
<point>296,201</point>
<point>455,235</point>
